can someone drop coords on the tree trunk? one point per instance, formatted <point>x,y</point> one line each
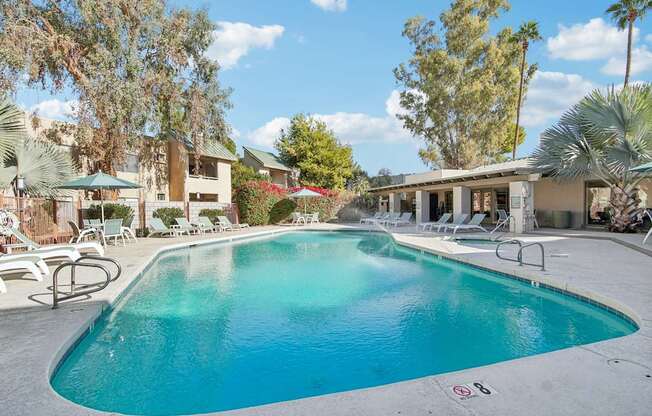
<point>626,213</point>
<point>629,49</point>
<point>518,104</point>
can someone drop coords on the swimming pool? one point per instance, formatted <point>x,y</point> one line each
<point>301,314</point>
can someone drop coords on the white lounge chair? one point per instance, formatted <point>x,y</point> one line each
<point>205,224</point>
<point>474,224</point>
<point>29,244</point>
<point>79,235</point>
<point>156,227</point>
<point>184,224</point>
<point>376,220</point>
<point>313,218</point>
<point>376,216</point>
<point>228,225</point>
<point>457,220</point>
<point>404,219</point>
<point>17,262</point>
<point>393,216</point>
<point>442,220</point>
<point>298,219</point>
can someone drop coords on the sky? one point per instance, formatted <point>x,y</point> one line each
<point>334,59</point>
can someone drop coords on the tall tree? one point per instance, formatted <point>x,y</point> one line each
<point>459,83</point>
<point>625,13</point>
<point>136,67</point>
<point>527,32</point>
<point>604,136</point>
<point>309,146</point>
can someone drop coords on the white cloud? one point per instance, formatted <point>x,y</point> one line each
<point>269,132</point>
<point>550,94</point>
<point>641,62</point>
<point>55,109</point>
<point>233,40</point>
<point>593,40</point>
<point>330,5</point>
<point>351,128</point>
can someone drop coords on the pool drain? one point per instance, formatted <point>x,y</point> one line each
<point>630,368</point>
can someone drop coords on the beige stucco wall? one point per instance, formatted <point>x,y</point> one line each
<point>551,195</point>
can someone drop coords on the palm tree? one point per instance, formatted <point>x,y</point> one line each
<point>604,136</point>
<point>42,165</point>
<point>625,13</point>
<point>528,32</point>
<point>12,127</point>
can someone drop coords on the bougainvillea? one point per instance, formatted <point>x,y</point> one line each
<point>256,199</point>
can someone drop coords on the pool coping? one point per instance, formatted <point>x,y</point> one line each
<point>590,297</point>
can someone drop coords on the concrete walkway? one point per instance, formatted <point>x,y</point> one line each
<point>612,377</point>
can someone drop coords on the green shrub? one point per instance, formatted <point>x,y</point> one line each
<point>212,214</point>
<point>282,210</point>
<point>168,215</point>
<point>111,211</point>
<point>358,207</point>
<point>255,201</point>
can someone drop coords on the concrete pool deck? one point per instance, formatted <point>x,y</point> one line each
<point>612,377</point>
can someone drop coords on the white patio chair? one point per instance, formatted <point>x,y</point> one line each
<point>441,221</point>
<point>113,229</point>
<point>474,224</point>
<point>649,233</point>
<point>457,220</point>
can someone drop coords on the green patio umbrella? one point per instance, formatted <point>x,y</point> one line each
<point>99,181</point>
<point>304,194</point>
<point>644,168</point>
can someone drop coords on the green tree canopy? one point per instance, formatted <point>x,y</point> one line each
<point>308,145</point>
<point>460,83</point>
<point>137,68</point>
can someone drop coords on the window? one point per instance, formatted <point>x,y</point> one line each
<point>160,197</point>
<point>207,167</point>
<point>597,203</point>
<point>130,164</point>
<point>448,201</point>
<point>199,197</point>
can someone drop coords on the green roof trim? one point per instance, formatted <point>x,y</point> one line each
<point>213,148</point>
<point>268,159</point>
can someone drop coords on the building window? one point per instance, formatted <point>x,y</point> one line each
<point>207,167</point>
<point>448,201</point>
<point>199,197</point>
<point>130,164</point>
<point>160,197</point>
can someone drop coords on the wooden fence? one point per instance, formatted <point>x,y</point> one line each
<point>43,220</point>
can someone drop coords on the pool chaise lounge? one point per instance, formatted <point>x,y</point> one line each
<point>185,225</point>
<point>374,217</point>
<point>32,246</point>
<point>156,227</point>
<point>205,224</point>
<point>457,220</point>
<point>441,221</point>
<point>22,262</point>
<point>229,226</point>
<point>404,219</point>
<point>474,224</point>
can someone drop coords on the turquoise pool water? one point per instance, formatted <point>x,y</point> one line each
<point>302,314</point>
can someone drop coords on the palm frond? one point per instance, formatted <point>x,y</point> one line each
<point>12,127</point>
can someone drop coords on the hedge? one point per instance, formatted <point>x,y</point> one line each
<point>212,214</point>
<point>111,211</point>
<point>168,215</point>
<point>256,199</point>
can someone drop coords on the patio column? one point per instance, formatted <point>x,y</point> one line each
<point>461,200</point>
<point>521,205</point>
<point>423,206</point>
<point>394,202</point>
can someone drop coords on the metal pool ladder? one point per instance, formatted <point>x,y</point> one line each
<point>88,261</point>
<point>519,256</point>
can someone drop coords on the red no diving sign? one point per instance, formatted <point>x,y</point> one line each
<point>470,390</point>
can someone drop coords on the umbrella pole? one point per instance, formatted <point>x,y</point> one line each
<point>102,203</point>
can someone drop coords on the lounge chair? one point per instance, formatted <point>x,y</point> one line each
<point>393,216</point>
<point>229,226</point>
<point>79,235</point>
<point>474,224</point>
<point>376,216</point>
<point>298,218</point>
<point>128,232</point>
<point>381,217</point>
<point>29,244</point>
<point>205,224</point>
<point>313,218</point>
<point>457,220</point>
<point>503,220</point>
<point>25,262</point>
<point>113,229</point>
<point>184,225</point>
<point>404,219</point>
<point>156,227</point>
<point>442,220</point>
